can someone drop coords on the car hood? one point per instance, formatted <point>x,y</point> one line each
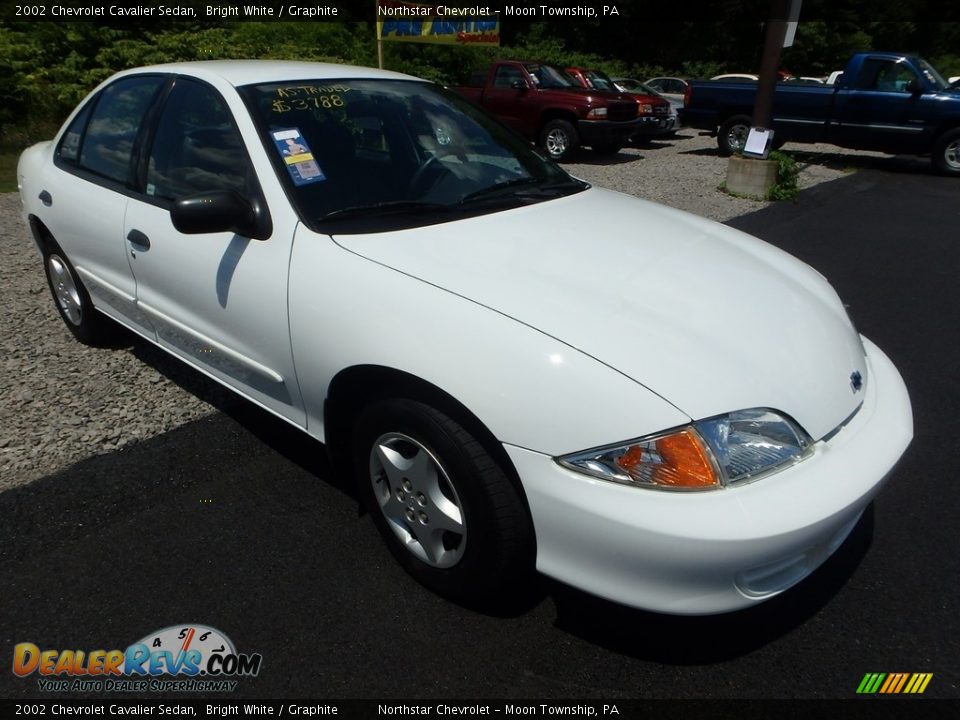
<point>587,93</point>
<point>709,318</point>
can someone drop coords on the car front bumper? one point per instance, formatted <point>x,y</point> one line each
<point>717,551</point>
<point>657,126</point>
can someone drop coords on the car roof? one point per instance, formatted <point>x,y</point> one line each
<point>249,72</point>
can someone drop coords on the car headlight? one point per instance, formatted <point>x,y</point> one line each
<point>709,454</point>
<point>597,113</point>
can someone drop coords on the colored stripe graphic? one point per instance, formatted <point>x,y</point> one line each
<point>870,683</point>
<point>894,683</point>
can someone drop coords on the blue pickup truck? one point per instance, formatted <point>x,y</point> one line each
<point>883,101</point>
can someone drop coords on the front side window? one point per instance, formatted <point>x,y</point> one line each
<point>885,75</point>
<point>365,155</point>
<point>107,146</point>
<point>196,147</point>
<point>506,76</point>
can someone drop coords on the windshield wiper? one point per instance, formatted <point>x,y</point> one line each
<point>384,208</point>
<point>531,187</point>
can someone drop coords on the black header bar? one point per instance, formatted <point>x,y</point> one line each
<point>640,12</point>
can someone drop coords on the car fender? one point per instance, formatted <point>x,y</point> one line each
<point>490,363</point>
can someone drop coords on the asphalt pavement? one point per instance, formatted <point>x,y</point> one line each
<point>237,523</point>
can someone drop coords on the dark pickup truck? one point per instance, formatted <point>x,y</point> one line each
<point>543,104</point>
<point>883,101</point>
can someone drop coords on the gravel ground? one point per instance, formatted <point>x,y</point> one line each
<point>61,401</point>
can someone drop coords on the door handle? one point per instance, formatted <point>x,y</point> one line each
<point>46,198</point>
<point>138,239</point>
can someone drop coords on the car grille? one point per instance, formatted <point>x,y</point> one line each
<point>620,112</point>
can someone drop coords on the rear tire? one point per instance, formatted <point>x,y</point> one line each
<point>560,139</point>
<point>445,508</point>
<point>732,135</point>
<point>946,153</point>
<point>71,298</point>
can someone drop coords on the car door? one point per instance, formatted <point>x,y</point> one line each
<point>95,158</point>
<point>218,300</point>
<point>507,98</point>
<point>881,109</point>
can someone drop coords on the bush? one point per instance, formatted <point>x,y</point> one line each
<point>788,171</point>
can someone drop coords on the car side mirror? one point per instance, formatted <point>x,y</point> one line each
<point>913,87</point>
<point>519,84</point>
<point>221,211</point>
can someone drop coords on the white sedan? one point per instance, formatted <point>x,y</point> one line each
<point>521,371</point>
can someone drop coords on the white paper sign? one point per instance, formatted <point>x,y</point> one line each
<point>758,141</point>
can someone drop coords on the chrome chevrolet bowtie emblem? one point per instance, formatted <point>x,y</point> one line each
<point>856,381</point>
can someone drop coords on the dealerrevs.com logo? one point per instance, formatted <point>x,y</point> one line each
<point>185,658</point>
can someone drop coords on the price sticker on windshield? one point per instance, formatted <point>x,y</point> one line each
<point>301,165</point>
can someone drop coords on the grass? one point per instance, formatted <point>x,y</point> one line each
<point>8,170</point>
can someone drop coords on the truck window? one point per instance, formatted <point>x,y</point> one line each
<point>884,75</point>
<point>506,75</point>
<point>547,76</point>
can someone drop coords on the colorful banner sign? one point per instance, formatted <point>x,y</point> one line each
<point>437,23</point>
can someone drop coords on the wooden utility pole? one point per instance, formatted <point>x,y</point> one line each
<point>770,64</point>
<point>747,175</point>
<point>376,28</point>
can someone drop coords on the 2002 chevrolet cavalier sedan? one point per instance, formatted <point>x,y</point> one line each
<point>521,370</point>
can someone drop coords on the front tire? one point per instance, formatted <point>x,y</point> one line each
<point>72,299</point>
<point>560,139</point>
<point>946,153</point>
<point>732,135</point>
<point>445,508</point>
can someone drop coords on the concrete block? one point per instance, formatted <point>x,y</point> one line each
<point>751,176</point>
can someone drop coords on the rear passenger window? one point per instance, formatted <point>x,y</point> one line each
<point>113,127</point>
<point>69,149</point>
<point>196,148</point>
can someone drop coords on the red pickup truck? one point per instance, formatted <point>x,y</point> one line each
<point>544,104</point>
<point>653,110</point>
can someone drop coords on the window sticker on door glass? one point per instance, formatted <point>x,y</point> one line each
<point>296,155</point>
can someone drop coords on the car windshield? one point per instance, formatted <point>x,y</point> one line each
<point>932,75</point>
<point>599,81</point>
<point>371,155</point>
<point>629,85</point>
<point>547,76</point>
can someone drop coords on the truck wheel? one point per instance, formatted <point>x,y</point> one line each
<point>732,135</point>
<point>560,139</point>
<point>946,153</point>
